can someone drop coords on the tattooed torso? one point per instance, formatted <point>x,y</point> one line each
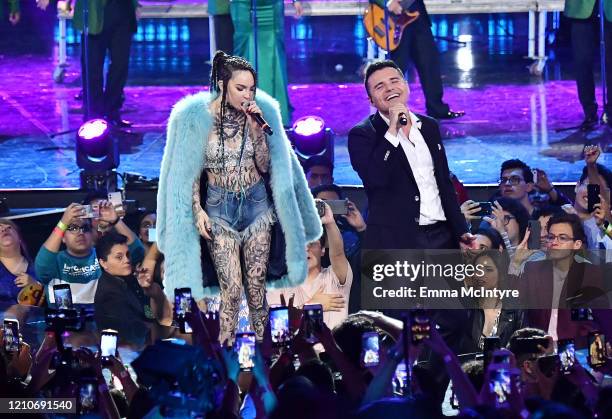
<point>226,165</point>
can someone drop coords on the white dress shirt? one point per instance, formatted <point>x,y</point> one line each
<point>418,155</point>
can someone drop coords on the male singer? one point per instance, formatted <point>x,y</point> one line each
<point>401,161</point>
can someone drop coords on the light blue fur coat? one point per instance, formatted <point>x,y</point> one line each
<point>177,237</point>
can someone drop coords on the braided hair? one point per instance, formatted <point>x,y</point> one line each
<point>223,66</point>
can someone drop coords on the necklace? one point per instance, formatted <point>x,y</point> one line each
<point>18,269</point>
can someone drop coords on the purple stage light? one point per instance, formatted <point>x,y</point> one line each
<point>93,129</point>
<point>96,148</point>
<point>309,136</point>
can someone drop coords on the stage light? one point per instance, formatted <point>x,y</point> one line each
<point>97,153</point>
<point>310,137</point>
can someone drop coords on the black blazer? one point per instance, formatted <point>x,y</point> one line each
<point>393,195</point>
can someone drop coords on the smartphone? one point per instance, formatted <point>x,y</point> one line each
<point>338,206</point>
<point>182,306</point>
<point>592,196</point>
<point>535,230</point>
<point>62,296</point>
<point>400,378</point>
<point>597,355</point>
<point>279,326</point>
<point>419,326</point>
<point>486,209</point>
<point>567,354</point>
<point>116,199</point>
<point>108,345</point>
<point>370,355</point>
<point>320,208</point>
<point>581,314</point>
<point>500,384</point>
<point>490,345</point>
<point>530,345</point>
<point>11,335</point>
<point>88,397</point>
<point>313,320</point>
<point>245,347</point>
<point>501,358</point>
<point>152,235</point>
<point>91,211</point>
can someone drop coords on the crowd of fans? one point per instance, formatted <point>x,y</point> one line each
<point>322,356</point>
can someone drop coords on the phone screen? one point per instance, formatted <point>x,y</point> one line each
<point>500,384</point>
<point>370,356</point>
<point>88,397</point>
<point>400,378</point>
<point>490,345</point>
<point>567,354</point>
<point>419,326</point>
<point>581,314</point>
<point>245,346</point>
<point>314,319</point>
<point>503,358</point>
<point>279,326</point>
<point>182,305</point>
<point>152,235</point>
<point>108,344</point>
<point>63,296</point>
<point>11,335</point>
<point>592,196</point>
<point>597,349</point>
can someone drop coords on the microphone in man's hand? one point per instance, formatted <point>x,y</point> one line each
<point>403,119</point>
<point>259,119</point>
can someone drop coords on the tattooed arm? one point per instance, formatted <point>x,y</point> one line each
<point>262,154</point>
<point>200,217</point>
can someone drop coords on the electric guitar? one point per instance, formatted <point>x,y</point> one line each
<point>388,37</point>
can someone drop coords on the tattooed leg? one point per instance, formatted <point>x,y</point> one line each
<point>225,252</point>
<point>256,249</point>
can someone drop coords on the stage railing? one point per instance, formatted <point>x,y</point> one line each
<point>537,10</point>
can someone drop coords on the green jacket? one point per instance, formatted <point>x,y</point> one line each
<point>96,15</point>
<point>582,9</point>
<point>218,7</point>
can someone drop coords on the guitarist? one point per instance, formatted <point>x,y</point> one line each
<point>418,45</point>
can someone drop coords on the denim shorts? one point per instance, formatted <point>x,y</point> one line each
<point>237,210</point>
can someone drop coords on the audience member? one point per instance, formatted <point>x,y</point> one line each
<point>319,170</point>
<point>510,219</point>
<point>146,223</point>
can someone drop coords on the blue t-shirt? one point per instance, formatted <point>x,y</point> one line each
<point>82,273</point>
<point>8,290</point>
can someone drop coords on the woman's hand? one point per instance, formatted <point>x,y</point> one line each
<point>497,218</point>
<point>250,109</point>
<point>23,280</point>
<point>469,208</point>
<point>203,225</point>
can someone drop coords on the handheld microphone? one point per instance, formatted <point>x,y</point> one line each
<point>403,119</point>
<point>259,119</point>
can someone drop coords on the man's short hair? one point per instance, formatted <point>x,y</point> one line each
<point>348,336</point>
<point>526,332</point>
<point>517,210</point>
<point>547,210</point>
<point>574,221</point>
<point>517,164</point>
<point>327,188</point>
<point>318,161</point>
<point>379,65</point>
<point>95,195</point>
<point>602,170</point>
<point>106,243</point>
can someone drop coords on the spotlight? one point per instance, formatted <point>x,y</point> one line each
<point>310,137</point>
<point>97,153</point>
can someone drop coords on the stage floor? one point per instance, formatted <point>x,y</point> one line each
<point>508,113</point>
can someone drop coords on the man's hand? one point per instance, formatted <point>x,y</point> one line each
<point>14,18</point>
<point>469,208</point>
<point>329,302</point>
<point>145,280</point>
<point>108,213</point>
<point>299,9</point>
<point>542,181</point>
<point>72,213</point>
<point>394,7</point>
<point>591,154</point>
<point>394,111</point>
<point>354,218</point>
<point>602,211</point>
<point>328,217</point>
<point>497,218</point>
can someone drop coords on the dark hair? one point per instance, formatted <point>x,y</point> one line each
<point>101,194</point>
<point>327,188</point>
<point>348,337</point>
<point>525,332</point>
<point>514,207</point>
<point>319,374</point>
<point>222,68</point>
<point>605,173</point>
<point>501,261</point>
<point>474,369</point>
<point>106,243</point>
<point>574,221</point>
<point>493,235</point>
<point>379,65</point>
<point>517,164</point>
<point>22,243</point>
<point>547,210</point>
<point>317,161</point>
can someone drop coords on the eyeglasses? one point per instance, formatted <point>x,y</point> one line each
<point>563,238</point>
<point>73,228</point>
<point>514,180</point>
<point>507,219</point>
